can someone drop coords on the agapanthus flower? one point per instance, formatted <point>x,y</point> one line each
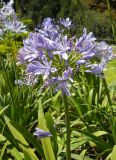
<point>50,53</point>
<point>62,82</point>
<point>41,133</point>
<point>47,23</point>
<point>49,30</point>
<point>86,42</point>
<point>66,22</point>
<point>81,61</point>
<point>7,9</point>
<point>15,26</point>
<point>30,79</point>
<point>104,52</point>
<point>9,20</point>
<point>96,69</point>
<point>41,68</point>
<point>62,48</point>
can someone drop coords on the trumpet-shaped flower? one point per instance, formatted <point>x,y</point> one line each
<point>96,69</point>
<point>47,23</point>
<point>86,42</point>
<point>66,22</point>
<point>41,68</point>
<point>81,61</point>
<point>41,133</point>
<point>62,82</point>
<point>62,48</point>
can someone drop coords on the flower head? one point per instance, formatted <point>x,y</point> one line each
<point>7,9</point>
<point>50,53</point>
<point>9,20</point>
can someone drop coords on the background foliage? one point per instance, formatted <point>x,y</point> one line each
<point>92,14</point>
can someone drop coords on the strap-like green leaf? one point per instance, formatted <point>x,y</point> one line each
<point>21,140</point>
<point>46,143</point>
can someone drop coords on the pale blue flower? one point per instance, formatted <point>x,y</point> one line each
<point>62,47</point>
<point>104,52</point>
<point>49,30</point>
<point>86,42</point>
<point>96,69</point>
<point>42,67</point>
<point>66,22</point>
<point>47,23</point>
<point>15,26</point>
<point>81,61</point>
<point>62,82</point>
<point>41,133</point>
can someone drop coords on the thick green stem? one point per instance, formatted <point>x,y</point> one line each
<point>68,132</point>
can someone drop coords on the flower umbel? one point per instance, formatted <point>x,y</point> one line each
<point>9,20</point>
<point>50,53</point>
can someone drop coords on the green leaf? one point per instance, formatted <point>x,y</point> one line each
<point>90,99</point>
<point>79,157</point>
<point>27,156</point>
<point>20,139</point>
<point>29,137</point>
<point>16,154</point>
<point>83,152</point>
<point>46,142</point>
<point>100,89</point>
<point>99,142</point>
<point>113,154</point>
<point>100,133</point>
<point>50,124</point>
<point>1,111</point>
<point>2,103</point>
<point>2,138</point>
<point>3,149</point>
<point>76,104</point>
<point>55,98</point>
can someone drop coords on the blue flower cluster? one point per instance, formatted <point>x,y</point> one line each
<point>9,20</point>
<point>49,52</point>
